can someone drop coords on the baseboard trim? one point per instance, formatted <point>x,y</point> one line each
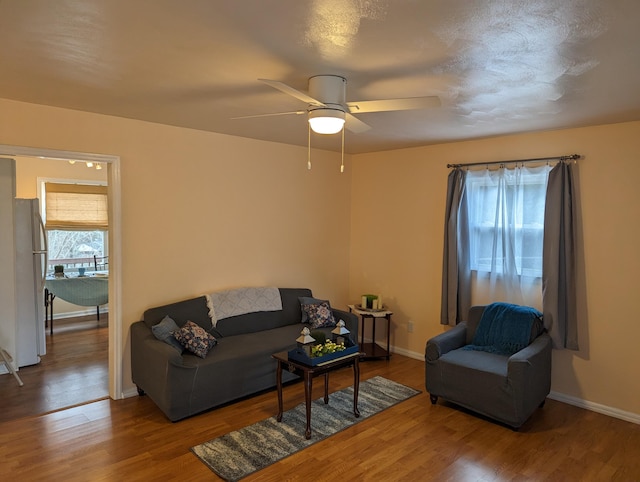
<point>407,353</point>
<point>130,392</point>
<point>399,351</point>
<point>79,313</point>
<point>596,407</point>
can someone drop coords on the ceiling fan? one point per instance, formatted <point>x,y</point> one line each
<point>328,110</point>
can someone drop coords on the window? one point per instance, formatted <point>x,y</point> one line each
<point>75,249</point>
<point>76,221</point>
<point>506,220</point>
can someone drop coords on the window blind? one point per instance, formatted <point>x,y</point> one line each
<point>76,206</point>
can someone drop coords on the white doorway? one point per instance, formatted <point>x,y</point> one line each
<point>112,163</point>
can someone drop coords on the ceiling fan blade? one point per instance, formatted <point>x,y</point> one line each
<point>410,103</point>
<point>355,125</point>
<point>298,112</point>
<point>281,86</point>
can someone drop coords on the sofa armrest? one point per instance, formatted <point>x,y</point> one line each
<point>536,356</point>
<point>447,341</point>
<point>144,340</point>
<point>537,349</point>
<point>530,371</point>
<point>350,321</point>
<point>149,356</point>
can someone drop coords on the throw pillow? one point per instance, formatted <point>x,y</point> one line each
<point>308,300</point>
<point>195,339</point>
<point>319,315</point>
<point>164,331</point>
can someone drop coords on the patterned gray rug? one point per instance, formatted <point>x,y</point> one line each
<point>240,453</point>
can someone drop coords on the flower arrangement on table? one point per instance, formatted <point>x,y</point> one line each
<point>326,348</point>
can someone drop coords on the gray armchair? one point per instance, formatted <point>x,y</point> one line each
<point>506,388</point>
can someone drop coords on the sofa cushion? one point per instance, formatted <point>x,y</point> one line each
<point>238,366</point>
<point>319,314</point>
<point>195,339</point>
<point>462,362</point>
<point>481,377</point>
<point>164,331</point>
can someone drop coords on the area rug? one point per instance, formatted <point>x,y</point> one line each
<point>242,452</point>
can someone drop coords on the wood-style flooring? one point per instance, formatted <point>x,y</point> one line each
<point>132,440</point>
<point>74,371</point>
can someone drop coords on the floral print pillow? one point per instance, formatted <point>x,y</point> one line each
<point>319,314</point>
<point>195,339</point>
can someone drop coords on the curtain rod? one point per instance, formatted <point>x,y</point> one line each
<point>572,157</point>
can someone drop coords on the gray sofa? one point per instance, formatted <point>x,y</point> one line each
<point>240,364</point>
<point>505,388</point>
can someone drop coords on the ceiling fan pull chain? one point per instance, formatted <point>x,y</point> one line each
<point>309,149</point>
<point>342,165</point>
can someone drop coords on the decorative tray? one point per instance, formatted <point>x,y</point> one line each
<point>298,354</point>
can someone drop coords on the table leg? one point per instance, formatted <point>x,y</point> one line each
<point>326,388</point>
<point>307,399</point>
<point>48,312</point>
<point>388,317</point>
<point>356,385</point>
<point>46,308</point>
<point>362,331</point>
<point>279,385</point>
<point>373,329</point>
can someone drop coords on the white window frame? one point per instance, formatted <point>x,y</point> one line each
<point>480,265</point>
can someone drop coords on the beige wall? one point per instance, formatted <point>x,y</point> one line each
<point>396,247</point>
<point>203,211</point>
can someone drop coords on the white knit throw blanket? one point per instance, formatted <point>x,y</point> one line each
<point>225,304</point>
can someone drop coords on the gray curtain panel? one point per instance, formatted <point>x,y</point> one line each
<point>456,275</point>
<point>559,260</point>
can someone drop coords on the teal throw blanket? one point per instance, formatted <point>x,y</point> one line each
<point>504,328</point>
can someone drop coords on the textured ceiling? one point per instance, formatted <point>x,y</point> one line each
<point>498,66</point>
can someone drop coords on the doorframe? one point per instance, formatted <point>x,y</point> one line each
<point>116,341</point>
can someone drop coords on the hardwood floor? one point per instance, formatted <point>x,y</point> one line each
<point>73,371</point>
<point>414,441</point>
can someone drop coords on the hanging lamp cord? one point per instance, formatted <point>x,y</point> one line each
<point>309,148</point>
<point>342,162</point>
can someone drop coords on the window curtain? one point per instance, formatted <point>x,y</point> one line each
<point>456,273</point>
<point>559,261</point>
<point>506,214</point>
<point>76,206</point>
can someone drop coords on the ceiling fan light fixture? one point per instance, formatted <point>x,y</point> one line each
<point>326,120</point>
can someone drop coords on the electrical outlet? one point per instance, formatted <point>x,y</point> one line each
<point>410,326</point>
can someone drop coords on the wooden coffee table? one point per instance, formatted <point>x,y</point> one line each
<point>308,372</point>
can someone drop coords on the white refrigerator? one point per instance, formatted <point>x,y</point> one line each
<point>31,264</point>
